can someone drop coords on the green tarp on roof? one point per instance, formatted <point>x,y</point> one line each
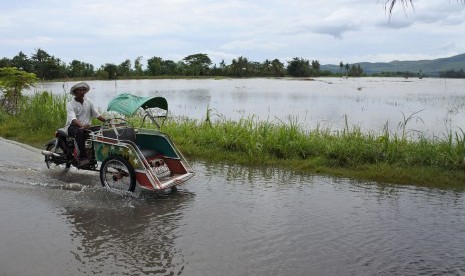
<point>128,104</point>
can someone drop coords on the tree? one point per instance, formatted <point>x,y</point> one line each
<point>315,65</point>
<point>79,69</point>
<point>180,68</point>
<point>5,62</point>
<point>124,69</point>
<point>154,66</point>
<point>299,67</point>
<point>265,68</point>
<point>452,74</point>
<point>355,71</point>
<point>169,67</point>
<point>277,68</point>
<point>138,66</point>
<point>39,60</point>
<point>222,69</point>
<point>240,67</point>
<point>22,62</point>
<point>46,66</point>
<point>111,69</point>
<point>198,64</point>
<point>12,82</point>
<point>389,4</point>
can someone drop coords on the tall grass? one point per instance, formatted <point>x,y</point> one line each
<point>263,140</point>
<point>38,117</point>
<point>43,111</point>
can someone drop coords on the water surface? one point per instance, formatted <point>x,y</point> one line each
<point>227,220</point>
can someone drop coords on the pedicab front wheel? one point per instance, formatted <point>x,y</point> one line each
<point>117,173</point>
<point>49,159</point>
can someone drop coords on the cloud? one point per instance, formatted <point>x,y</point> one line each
<point>335,23</point>
<point>336,30</point>
<point>253,44</point>
<point>110,30</point>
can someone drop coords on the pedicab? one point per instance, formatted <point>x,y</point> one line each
<point>128,156</point>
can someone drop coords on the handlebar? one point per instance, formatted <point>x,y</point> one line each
<point>113,123</point>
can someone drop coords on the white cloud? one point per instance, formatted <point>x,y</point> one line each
<point>252,44</point>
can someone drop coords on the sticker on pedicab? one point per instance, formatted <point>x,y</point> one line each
<point>103,151</point>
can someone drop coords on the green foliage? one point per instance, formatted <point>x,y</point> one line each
<point>453,74</point>
<point>43,111</point>
<point>12,82</point>
<point>299,67</point>
<point>39,116</point>
<point>111,70</point>
<point>198,64</point>
<point>355,71</point>
<point>154,65</point>
<point>48,67</point>
<point>124,69</point>
<point>138,66</point>
<point>78,69</point>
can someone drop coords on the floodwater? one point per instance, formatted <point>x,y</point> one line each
<point>429,106</point>
<point>227,220</point>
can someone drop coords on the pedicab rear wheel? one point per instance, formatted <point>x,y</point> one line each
<point>116,173</point>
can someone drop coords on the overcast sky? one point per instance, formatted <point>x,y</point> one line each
<point>111,31</point>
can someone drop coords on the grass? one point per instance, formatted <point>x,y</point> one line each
<point>384,157</point>
<point>37,119</point>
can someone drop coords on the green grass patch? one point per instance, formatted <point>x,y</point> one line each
<point>384,157</point>
<point>37,119</point>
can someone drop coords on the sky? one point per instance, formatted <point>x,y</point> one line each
<point>330,31</point>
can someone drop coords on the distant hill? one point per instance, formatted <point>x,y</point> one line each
<point>427,67</point>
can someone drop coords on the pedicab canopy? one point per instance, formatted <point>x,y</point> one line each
<point>128,104</point>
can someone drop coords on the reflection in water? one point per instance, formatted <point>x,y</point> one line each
<point>279,223</point>
<point>129,237</point>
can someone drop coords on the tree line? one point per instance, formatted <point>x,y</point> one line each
<point>453,74</point>
<point>49,67</point>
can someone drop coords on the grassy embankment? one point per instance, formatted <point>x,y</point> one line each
<point>383,157</point>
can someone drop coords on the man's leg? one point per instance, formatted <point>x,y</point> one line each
<point>80,137</point>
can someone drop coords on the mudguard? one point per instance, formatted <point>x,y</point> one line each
<point>51,142</point>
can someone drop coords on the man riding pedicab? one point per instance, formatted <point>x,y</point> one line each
<point>80,112</point>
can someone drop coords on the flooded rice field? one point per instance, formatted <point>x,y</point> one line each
<point>227,220</point>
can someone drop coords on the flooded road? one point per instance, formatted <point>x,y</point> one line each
<point>227,220</point>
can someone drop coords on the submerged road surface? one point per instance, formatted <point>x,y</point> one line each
<point>227,220</point>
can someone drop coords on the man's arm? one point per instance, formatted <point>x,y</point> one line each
<point>78,123</point>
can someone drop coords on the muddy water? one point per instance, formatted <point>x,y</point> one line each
<point>228,220</point>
